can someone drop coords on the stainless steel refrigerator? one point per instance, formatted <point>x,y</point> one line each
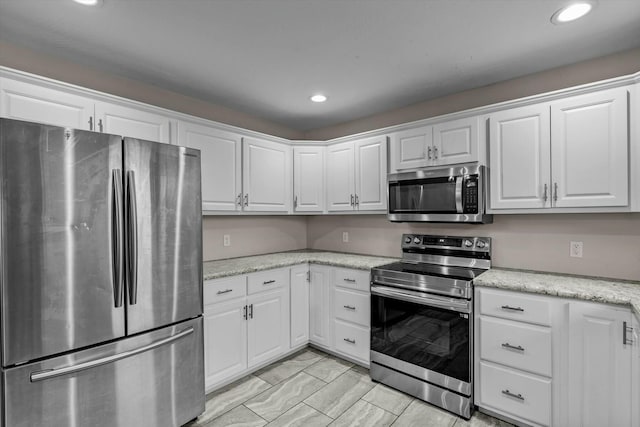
<point>101,279</point>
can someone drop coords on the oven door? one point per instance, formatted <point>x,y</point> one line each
<point>423,335</point>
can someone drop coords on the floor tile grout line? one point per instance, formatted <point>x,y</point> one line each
<point>380,407</point>
<point>258,415</point>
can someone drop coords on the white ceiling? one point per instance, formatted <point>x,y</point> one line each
<point>266,57</point>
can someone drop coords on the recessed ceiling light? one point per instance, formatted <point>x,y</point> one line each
<point>88,2</point>
<point>318,98</point>
<point>572,12</point>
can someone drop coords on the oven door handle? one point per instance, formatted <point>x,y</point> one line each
<point>460,306</point>
<point>459,194</point>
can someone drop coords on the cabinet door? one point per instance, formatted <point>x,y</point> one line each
<point>221,164</point>
<point>371,174</point>
<point>308,179</point>
<point>590,150</point>
<point>225,341</point>
<point>340,177</point>
<point>24,101</point>
<point>299,305</point>
<point>519,158</point>
<point>634,334</point>
<point>268,326</point>
<point>599,386</point>
<point>319,305</point>
<point>132,122</point>
<point>266,176</point>
<point>455,141</point>
<point>411,148</point>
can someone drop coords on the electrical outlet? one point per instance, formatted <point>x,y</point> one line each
<point>226,240</point>
<point>575,249</point>
<point>345,237</point>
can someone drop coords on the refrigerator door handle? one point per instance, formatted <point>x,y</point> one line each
<point>53,373</point>
<point>117,224</point>
<point>132,238</point>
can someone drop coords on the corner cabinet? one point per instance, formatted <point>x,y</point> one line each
<point>300,285</point>
<point>266,176</point>
<point>308,179</point>
<point>357,175</point>
<point>320,305</point>
<point>571,153</point>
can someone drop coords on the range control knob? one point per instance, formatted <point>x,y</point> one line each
<point>468,243</point>
<point>481,244</point>
<point>407,239</point>
<point>417,240</point>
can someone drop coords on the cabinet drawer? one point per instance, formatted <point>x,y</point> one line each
<point>354,279</point>
<point>352,340</point>
<point>516,393</point>
<point>224,289</point>
<point>267,280</point>
<point>517,345</point>
<point>515,306</point>
<point>352,306</point>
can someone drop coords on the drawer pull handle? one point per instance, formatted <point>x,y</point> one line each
<point>516,396</point>
<point>226,291</point>
<point>512,347</point>
<point>349,280</point>
<point>508,307</point>
<point>268,282</point>
<point>349,307</point>
<point>349,340</point>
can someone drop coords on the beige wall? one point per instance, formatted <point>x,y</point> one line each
<point>535,242</point>
<point>623,63</point>
<point>252,235</point>
<point>19,58</point>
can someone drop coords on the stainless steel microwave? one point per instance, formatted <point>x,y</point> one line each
<point>448,194</point>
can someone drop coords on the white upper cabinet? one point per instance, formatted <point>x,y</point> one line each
<point>25,101</point>
<point>221,164</point>
<point>564,154</point>
<point>520,154</point>
<point>590,150</point>
<point>357,175</point>
<point>132,122</point>
<point>455,141</point>
<point>266,176</point>
<point>308,179</point>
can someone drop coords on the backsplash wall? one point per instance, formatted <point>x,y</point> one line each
<point>534,242</point>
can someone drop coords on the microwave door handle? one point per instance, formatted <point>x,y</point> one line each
<point>459,194</point>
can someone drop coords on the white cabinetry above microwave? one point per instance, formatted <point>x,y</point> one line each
<point>446,143</point>
<point>570,153</point>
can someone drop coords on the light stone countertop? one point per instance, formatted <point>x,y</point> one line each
<point>236,266</point>
<point>609,291</point>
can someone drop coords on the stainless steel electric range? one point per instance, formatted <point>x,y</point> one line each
<point>422,319</point>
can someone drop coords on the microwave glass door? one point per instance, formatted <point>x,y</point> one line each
<point>432,338</point>
<point>433,195</point>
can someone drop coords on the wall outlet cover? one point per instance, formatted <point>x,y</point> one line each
<point>345,237</point>
<point>226,240</point>
<point>575,249</point>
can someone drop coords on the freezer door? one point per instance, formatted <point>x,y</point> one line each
<point>61,247</point>
<point>164,234</point>
<point>154,379</point>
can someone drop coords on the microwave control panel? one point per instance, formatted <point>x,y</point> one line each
<point>470,194</point>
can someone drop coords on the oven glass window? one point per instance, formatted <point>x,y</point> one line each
<point>436,195</point>
<point>430,337</point>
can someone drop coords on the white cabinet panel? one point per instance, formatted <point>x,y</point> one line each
<point>221,164</point>
<point>268,326</point>
<point>225,340</point>
<point>352,340</point>
<point>455,141</point>
<point>267,280</point>
<point>371,174</point>
<point>320,305</point>
<point>215,291</point>
<point>266,176</point>
<point>24,101</point>
<point>409,148</point>
<point>354,307</point>
<point>341,177</point>
<point>600,368</point>
<point>590,149</point>
<point>516,306</point>
<point>308,180</point>
<point>299,305</point>
<point>520,154</point>
<point>132,122</point>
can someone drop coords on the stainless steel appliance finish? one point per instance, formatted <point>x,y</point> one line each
<point>101,279</point>
<point>422,319</point>
<point>448,194</point>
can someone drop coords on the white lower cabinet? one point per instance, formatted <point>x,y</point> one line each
<point>352,313</point>
<point>320,305</point>
<point>246,323</point>
<point>300,278</point>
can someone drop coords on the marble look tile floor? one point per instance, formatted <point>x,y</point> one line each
<point>314,389</point>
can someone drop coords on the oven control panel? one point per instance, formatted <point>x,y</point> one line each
<point>460,243</point>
